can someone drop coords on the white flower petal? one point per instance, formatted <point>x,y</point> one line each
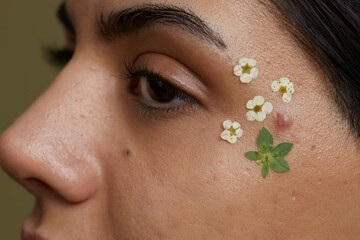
<point>232,139</point>
<point>243,61</point>
<point>250,104</point>
<point>254,72</point>
<point>225,135</point>
<point>286,97</point>
<point>237,70</point>
<point>236,125</point>
<point>245,78</point>
<point>275,86</point>
<point>259,100</point>
<point>267,107</point>
<point>261,116</point>
<point>251,62</point>
<point>239,132</point>
<point>251,115</point>
<point>227,124</point>
<point>284,81</point>
<point>290,88</point>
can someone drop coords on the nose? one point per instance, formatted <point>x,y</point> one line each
<point>48,149</point>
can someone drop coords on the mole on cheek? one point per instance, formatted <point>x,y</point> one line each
<point>127,152</point>
<point>283,121</point>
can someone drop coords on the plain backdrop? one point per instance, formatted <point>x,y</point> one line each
<point>26,27</point>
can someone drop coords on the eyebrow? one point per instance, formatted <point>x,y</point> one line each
<point>134,19</point>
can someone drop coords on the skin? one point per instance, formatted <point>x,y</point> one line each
<point>100,170</point>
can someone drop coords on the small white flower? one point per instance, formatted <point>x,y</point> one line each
<point>284,87</point>
<point>232,131</point>
<point>259,109</point>
<point>246,70</point>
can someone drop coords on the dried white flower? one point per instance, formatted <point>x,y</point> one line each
<point>232,131</point>
<point>246,70</point>
<point>284,87</point>
<point>259,109</point>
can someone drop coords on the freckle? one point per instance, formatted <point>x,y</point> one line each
<point>214,177</point>
<point>229,211</point>
<point>283,121</point>
<point>82,116</point>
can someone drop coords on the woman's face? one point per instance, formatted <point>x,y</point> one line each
<point>109,154</point>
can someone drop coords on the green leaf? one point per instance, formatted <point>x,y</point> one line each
<point>254,155</point>
<point>265,141</point>
<point>265,169</point>
<point>283,149</point>
<point>278,164</point>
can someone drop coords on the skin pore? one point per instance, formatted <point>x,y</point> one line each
<point>103,164</point>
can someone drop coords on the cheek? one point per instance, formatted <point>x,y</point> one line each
<point>170,177</point>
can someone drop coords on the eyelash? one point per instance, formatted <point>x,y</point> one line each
<point>145,110</point>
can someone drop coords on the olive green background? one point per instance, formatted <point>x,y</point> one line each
<point>26,27</point>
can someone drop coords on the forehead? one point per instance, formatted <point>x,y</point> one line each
<point>231,19</point>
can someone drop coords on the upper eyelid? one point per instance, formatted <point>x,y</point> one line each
<point>172,70</point>
<point>136,72</point>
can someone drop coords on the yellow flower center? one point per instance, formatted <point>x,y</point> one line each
<point>246,69</point>
<point>232,131</point>
<point>257,108</point>
<point>282,90</point>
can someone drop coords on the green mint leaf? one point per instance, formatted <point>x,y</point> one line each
<point>278,164</point>
<point>265,169</point>
<point>254,155</point>
<point>265,141</point>
<point>283,149</point>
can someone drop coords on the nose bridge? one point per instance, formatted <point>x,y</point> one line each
<point>49,143</point>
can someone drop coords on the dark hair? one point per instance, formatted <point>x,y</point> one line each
<point>330,31</point>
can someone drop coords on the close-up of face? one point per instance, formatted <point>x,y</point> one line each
<point>128,141</point>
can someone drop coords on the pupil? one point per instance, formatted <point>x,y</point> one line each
<point>159,91</point>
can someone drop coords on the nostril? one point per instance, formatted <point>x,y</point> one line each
<point>56,187</point>
<point>39,188</point>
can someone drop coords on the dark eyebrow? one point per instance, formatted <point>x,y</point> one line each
<point>131,20</point>
<point>64,18</point>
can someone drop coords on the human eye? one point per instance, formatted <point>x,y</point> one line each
<point>155,96</point>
